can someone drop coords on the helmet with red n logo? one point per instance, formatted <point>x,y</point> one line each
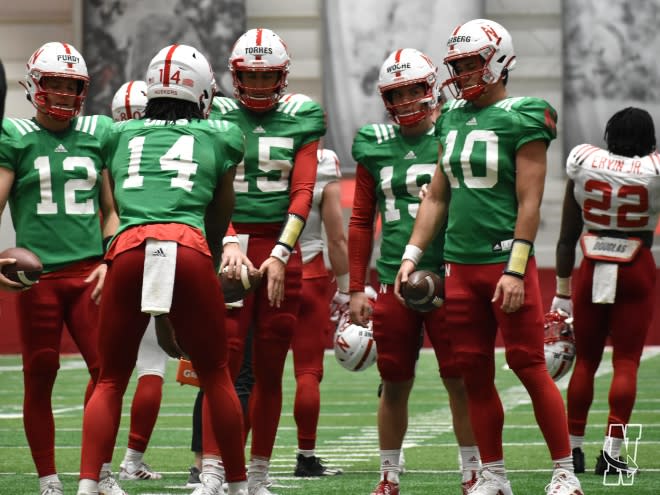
<point>559,343</point>
<point>355,347</point>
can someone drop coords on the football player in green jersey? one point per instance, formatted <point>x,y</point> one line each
<point>393,162</point>
<point>172,174</point>
<point>274,185</point>
<point>489,185</point>
<point>51,171</point>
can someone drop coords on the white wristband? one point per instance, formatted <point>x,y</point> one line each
<point>281,253</point>
<point>228,239</point>
<point>564,286</point>
<point>412,253</point>
<point>342,283</point>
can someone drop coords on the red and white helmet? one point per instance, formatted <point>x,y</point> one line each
<point>56,59</point>
<point>559,343</point>
<point>355,347</point>
<point>406,67</point>
<point>129,101</point>
<point>492,43</point>
<point>259,50</point>
<point>183,73</point>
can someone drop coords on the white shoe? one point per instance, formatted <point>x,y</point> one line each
<point>210,485</point>
<point>489,483</point>
<point>53,488</point>
<point>137,471</point>
<point>109,486</point>
<point>564,483</point>
<point>260,488</point>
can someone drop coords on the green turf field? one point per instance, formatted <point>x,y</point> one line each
<point>347,434</point>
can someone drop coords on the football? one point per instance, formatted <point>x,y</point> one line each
<point>27,268</point>
<point>424,291</point>
<point>235,289</point>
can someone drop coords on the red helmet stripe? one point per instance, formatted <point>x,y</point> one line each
<point>259,33</point>
<point>127,100</point>
<point>69,65</point>
<point>168,65</point>
<point>397,59</point>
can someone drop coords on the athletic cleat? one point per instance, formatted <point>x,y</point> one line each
<point>309,467</point>
<point>108,485</point>
<point>141,471</point>
<point>385,487</point>
<point>578,460</point>
<point>209,485</point>
<point>563,482</point>
<point>604,467</point>
<point>260,488</point>
<point>193,478</point>
<point>489,483</point>
<point>466,485</point>
<point>53,488</point>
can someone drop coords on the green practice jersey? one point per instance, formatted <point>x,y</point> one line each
<point>54,200</point>
<point>272,140</point>
<point>399,165</point>
<point>479,149</point>
<point>168,172</point>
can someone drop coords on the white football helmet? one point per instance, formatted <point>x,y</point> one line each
<point>259,50</point>
<point>355,347</point>
<point>559,343</point>
<point>129,101</point>
<point>492,43</point>
<point>183,73</point>
<point>407,67</point>
<point>56,59</point>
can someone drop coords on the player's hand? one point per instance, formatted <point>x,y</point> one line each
<point>233,258</point>
<point>98,275</point>
<point>339,305</point>
<point>166,337</point>
<point>360,309</point>
<point>274,270</point>
<point>562,303</point>
<point>5,283</point>
<point>423,191</point>
<point>370,292</point>
<point>512,291</point>
<point>407,267</point>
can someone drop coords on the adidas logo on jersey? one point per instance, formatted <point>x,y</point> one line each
<point>159,252</point>
<point>60,149</point>
<point>472,121</point>
<point>259,130</point>
<point>410,155</point>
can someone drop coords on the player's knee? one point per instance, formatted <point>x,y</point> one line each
<point>42,363</point>
<point>279,326</point>
<point>391,370</point>
<point>519,359</point>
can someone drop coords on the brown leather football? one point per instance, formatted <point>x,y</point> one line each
<point>424,291</point>
<point>235,289</point>
<point>27,268</point>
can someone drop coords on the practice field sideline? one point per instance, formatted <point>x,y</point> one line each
<point>347,433</point>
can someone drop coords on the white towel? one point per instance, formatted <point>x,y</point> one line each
<point>603,287</point>
<point>158,278</point>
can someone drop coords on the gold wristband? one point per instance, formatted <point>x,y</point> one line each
<point>291,231</point>
<point>518,257</point>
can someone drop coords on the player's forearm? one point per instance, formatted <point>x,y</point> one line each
<point>360,242</point>
<point>303,179</point>
<point>429,221</point>
<point>338,256</point>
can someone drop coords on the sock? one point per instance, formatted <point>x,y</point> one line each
<point>469,456</point>
<point>44,480</point>
<point>211,465</point>
<point>389,464</point>
<point>133,456</point>
<point>88,486</point>
<point>106,470</point>
<point>306,453</point>
<point>237,488</point>
<point>564,463</point>
<point>576,441</point>
<point>495,467</point>
<point>257,470</point>
<point>612,445</point>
